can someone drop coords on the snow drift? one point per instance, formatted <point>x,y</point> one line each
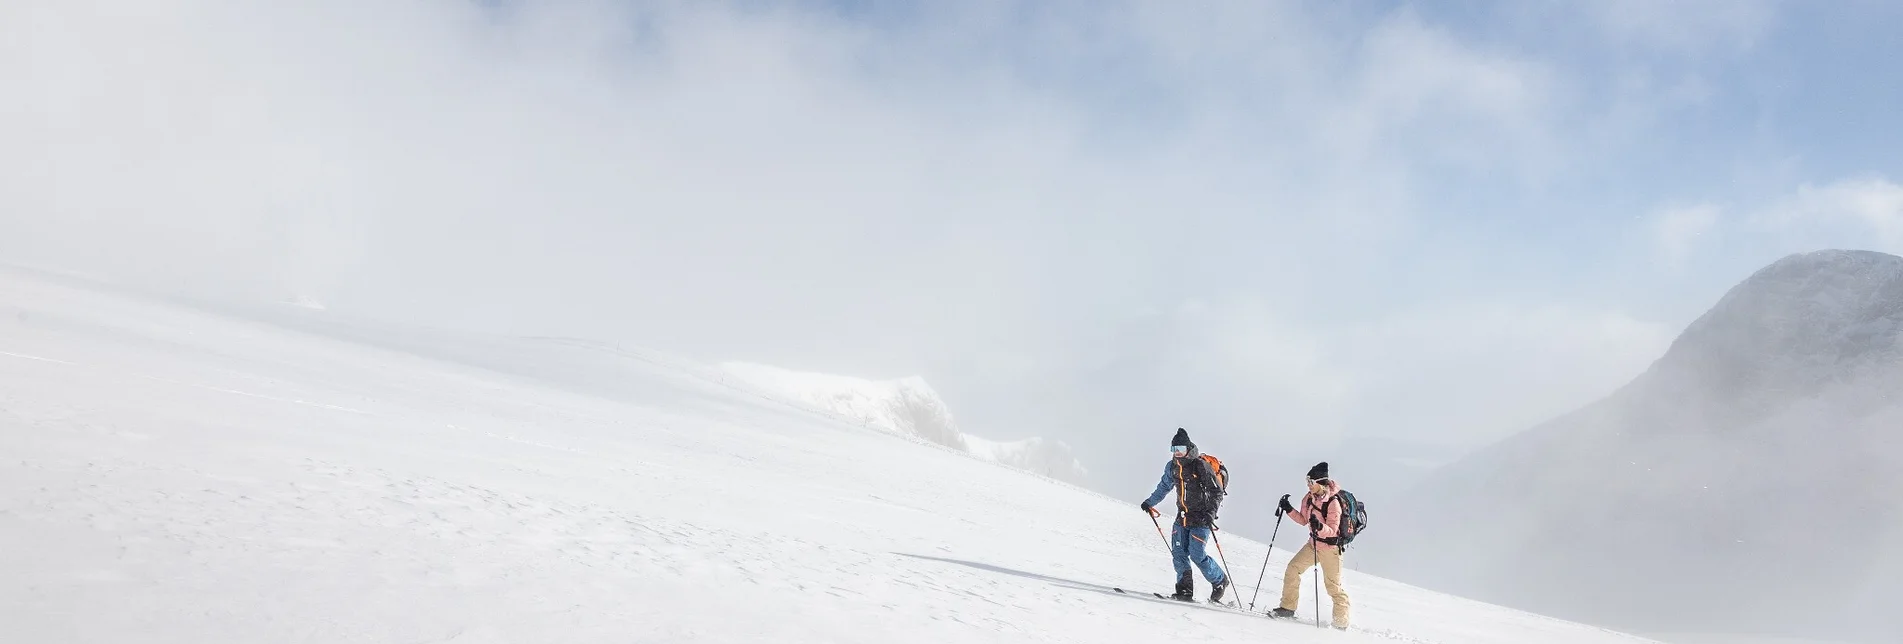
<point>906,406</point>
<point>176,475</point>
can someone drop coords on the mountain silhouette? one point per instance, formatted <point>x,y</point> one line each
<point>1747,482</point>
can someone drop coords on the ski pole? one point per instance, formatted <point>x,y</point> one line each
<point>1220,555</point>
<point>1265,560</point>
<point>1159,531</point>
<point>1315,552</point>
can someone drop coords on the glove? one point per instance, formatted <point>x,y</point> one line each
<point>1149,508</point>
<point>1284,508</point>
<point>1315,523</point>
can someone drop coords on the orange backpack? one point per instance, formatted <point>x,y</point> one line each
<point>1222,473</point>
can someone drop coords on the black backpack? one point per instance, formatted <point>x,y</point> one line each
<point>1354,519</point>
<point>1211,484</point>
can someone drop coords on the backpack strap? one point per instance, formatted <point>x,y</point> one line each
<point>1322,514</point>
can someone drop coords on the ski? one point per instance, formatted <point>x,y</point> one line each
<point>1239,610</point>
<point>1235,608</point>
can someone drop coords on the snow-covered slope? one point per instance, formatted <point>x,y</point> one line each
<point>905,406</point>
<point>1747,483</point>
<point>169,475</point>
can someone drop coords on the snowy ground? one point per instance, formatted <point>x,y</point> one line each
<point>171,476</point>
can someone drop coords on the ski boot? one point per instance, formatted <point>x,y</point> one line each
<point>1185,588</point>
<point>1215,593</point>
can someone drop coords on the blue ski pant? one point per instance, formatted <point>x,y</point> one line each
<point>1190,545</point>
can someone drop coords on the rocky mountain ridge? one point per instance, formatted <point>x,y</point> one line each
<point>1751,475</point>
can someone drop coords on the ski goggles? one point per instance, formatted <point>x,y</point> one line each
<point>1179,450</point>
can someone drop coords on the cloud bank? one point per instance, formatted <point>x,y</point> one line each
<point>1276,224</point>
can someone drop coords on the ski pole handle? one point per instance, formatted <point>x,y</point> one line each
<point>1159,529</point>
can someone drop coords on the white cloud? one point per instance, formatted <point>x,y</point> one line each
<point>1474,371</point>
<point>1259,356</point>
<point>1414,74</point>
<point>1678,229</point>
<point>985,190</point>
<point>1875,202</point>
<point>1686,26</point>
<point>677,172</point>
<point>1858,212</point>
<point>1457,372</point>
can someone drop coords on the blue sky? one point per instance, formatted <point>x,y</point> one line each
<point>1278,224</point>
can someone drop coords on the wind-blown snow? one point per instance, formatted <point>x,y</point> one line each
<point>171,475</point>
<point>906,406</point>
<point>305,302</point>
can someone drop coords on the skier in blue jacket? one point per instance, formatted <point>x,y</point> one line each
<point>1198,493</point>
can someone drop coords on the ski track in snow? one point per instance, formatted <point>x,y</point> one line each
<point>350,494</point>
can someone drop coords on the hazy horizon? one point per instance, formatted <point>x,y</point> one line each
<point>1289,228</point>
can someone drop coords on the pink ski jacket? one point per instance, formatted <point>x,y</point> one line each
<point>1313,505</point>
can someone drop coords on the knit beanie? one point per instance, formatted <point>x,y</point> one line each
<point>1182,438</point>
<point>1318,472</point>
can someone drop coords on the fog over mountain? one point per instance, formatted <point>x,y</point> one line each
<point>1744,483</point>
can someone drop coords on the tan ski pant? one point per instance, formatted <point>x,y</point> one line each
<point>1331,578</point>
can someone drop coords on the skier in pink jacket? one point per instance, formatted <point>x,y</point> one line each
<point>1323,517</point>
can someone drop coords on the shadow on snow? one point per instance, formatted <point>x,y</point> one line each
<point>1134,593</point>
